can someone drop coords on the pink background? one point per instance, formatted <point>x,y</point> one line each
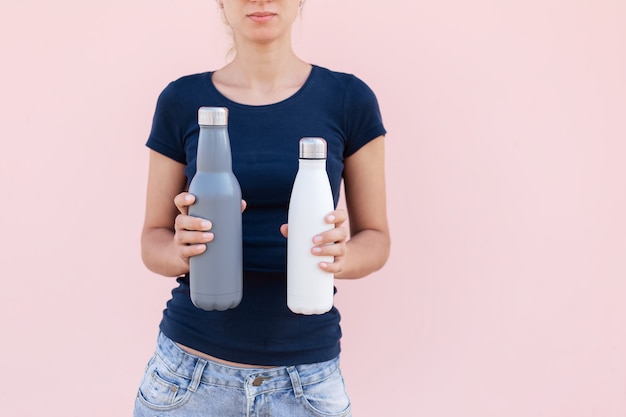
<point>504,295</point>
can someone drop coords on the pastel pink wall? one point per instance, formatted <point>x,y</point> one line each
<point>505,293</point>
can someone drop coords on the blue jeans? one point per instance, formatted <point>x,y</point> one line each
<point>177,383</point>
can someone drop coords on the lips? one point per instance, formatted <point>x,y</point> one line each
<point>262,14</point>
<point>261,17</point>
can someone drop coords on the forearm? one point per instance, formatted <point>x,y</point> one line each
<point>366,252</point>
<point>159,253</point>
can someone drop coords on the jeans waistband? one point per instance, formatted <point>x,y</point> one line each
<point>280,377</point>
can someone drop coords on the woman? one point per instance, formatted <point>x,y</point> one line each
<point>260,358</point>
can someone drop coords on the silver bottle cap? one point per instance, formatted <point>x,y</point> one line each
<point>312,148</point>
<point>212,116</point>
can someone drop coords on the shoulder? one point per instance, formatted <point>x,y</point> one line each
<point>352,86</point>
<point>187,84</point>
<point>348,80</point>
<point>180,98</point>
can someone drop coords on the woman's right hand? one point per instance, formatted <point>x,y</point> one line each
<point>191,234</point>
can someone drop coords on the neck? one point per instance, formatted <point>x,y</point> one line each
<point>264,65</point>
<point>262,73</point>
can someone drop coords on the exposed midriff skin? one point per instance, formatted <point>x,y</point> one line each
<point>220,361</point>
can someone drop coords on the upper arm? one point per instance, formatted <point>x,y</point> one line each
<point>364,182</point>
<point>166,179</point>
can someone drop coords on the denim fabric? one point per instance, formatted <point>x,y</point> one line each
<point>177,383</point>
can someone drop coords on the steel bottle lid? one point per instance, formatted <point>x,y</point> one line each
<point>312,148</point>
<point>212,116</point>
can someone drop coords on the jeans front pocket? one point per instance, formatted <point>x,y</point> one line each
<point>162,389</point>
<point>328,398</point>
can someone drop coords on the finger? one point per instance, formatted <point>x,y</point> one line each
<point>187,252</point>
<point>334,267</point>
<point>183,200</point>
<point>186,237</point>
<point>336,217</point>
<point>335,250</point>
<point>338,234</point>
<point>244,204</point>
<point>284,230</point>
<point>185,222</point>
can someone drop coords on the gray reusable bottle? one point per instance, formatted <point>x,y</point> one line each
<point>216,275</point>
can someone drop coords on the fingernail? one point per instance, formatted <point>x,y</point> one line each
<point>317,250</point>
<point>317,239</point>
<point>331,218</point>
<point>207,236</point>
<point>324,265</point>
<point>206,225</point>
<point>188,197</point>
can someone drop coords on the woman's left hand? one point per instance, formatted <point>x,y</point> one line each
<point>331,242</point>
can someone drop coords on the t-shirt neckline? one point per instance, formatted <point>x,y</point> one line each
<point>288,100</point>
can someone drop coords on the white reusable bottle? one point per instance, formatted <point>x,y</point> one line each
<point>310,290</point>
<point>216,275</point>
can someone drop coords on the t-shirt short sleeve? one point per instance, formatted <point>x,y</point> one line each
<point>166,135</point>
<point>363,118</point>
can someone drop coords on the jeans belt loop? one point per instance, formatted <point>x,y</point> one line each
<point>295,381</point>
<point>197,374</point>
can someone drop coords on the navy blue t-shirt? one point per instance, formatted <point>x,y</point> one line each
<point>264,142</point>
